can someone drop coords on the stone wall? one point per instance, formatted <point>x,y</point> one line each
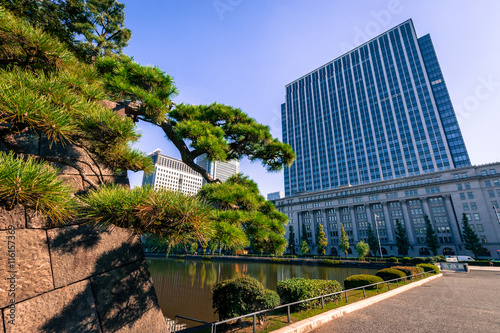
<point>75,278</point>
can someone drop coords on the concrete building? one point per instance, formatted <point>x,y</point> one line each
<point>172,174</point>
<point>220,170</point>
<point>379,112</point>
<point>444,196</point>
<point>275,195</point>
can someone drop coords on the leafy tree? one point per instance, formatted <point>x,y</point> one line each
<point>291,240</point>
<point>344,240</point>
<point>430,236</point>
<point>304,248</point>
<point>402,242</point>
<point>304,237</point>
<point>471,239</point>
<point>372,241</point>
<point>321,241</point>
<point>363,249</point>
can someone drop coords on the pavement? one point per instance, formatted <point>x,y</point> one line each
<point>456,302</point>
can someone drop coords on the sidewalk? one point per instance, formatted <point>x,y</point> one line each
<point>456,302</point>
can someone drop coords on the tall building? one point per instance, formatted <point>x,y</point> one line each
<point>172,174</point>
<point>275,195</point>
<point>217,169</point>
<point>379,112</point>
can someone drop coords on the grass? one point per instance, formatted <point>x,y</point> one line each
<point>278,318</point>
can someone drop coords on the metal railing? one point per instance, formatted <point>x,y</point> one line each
<point>322,298</point>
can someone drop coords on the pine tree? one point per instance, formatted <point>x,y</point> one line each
<point>372,241</point>
<point>291,240</point>
<point>402,242</point>
<point>430,236</point>
<point>321,241</point>
<point>471,239</point>
<point>344,240</point>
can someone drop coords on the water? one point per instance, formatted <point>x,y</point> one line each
<point>184,287</point>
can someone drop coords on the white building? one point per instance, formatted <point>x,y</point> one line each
<point>172,174</point>
<point>220,170</point>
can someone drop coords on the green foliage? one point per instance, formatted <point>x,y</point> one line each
<point>406,260</point>
<point>360,280</point>
<point>470,238</point>
<point>408,270</point>
<point>304,248</point>
<point>242,295</point>
<point>329,262</point>
<point>363,249</point>
<point>172,215</point>
<point>321,241</point>
<point>344,240</point>
<point>372,241</point>
<point>429,268</point>
<point>299,289</point>
<point>392,259</point>
<point>35,185</point>
<point>280,260</point>
<point>390,274</point>
<point>439,258</point>
<point>207,258</point>
<point>430,236</point>
<point>402,242</point>
<point>421,260</point>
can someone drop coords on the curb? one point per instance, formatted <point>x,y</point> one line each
<point>309,324</point>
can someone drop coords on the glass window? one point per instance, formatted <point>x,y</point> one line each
<point>465,206</point>
<point>459,187</point>
<point>462,195</point>
<point>487,183</point>
<point>484,173</point>
<point>496,182</point>
<point>467,185</point>
<point>495,204</point>
<point>491,193</point>
<point>477,217</point>
<point>457,176</point>
<point>492,171</point>
<point>473,206</point>
<point>470,195</point>
<point>480,228</point>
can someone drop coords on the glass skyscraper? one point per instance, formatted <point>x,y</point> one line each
<point>381,111</point>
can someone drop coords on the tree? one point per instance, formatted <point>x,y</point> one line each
<point>321,241</point>
<point>344,240</point>
<point>291,240</point>
<point>304,248</point>
<point>430,236</point>
<point>402,242</point>
<point>372,241</point>
<point>471,239</point>
<point>363,249</point>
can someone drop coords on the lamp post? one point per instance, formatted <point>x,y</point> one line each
<point>378,237</point>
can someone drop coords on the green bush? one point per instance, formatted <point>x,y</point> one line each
<point>429,268</point>
<point>392,259</point>
<point>409,270</point>
<point>299,289</point>
<point>279,260</point>
<point>439,258</point>
<point>361,280</point>
<point>242,295</point>
<point>406,260</point>
<point>329,262</point>
<point>206,257</point>
<point>390,274</point>
<point>421,260</point>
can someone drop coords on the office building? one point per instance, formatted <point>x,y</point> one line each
<point>443,196</point>
<point>275,195</point>
<point>379,112</point>
<point>219,170</point>
<point>172,174</point>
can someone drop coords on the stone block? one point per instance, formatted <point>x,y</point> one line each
<point>33,274</point>
<point>69,309</point>
<point>15,217</point>
<point>151,321</point>
<point>81,251</point>
<point>123,295</point>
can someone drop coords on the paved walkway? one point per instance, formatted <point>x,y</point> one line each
<point>456,302</point>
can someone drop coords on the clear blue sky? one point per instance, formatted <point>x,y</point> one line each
<point>243,52</point>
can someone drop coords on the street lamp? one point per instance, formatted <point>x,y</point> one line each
<point>378,237</point>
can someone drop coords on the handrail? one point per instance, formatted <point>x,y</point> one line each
<point>322,297</point>
<point>192,319</point>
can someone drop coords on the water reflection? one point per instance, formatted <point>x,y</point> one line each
<point>185,287</point>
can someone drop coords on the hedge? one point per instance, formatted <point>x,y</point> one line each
<point>329,262</point>
<point>242,295</point>
<point>390,274</point>
<point>299,289</point>
<point>361,280</point>
<point>409,270</point>
<point>392,259</point>
<point>429,268</point>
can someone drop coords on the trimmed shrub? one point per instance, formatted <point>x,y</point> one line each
<point>299,289</point>
<point>280,260</point>
<point>361,280</point>
<point>429,268</point>
<point>439,258</point>
<point>392,259</point>
<point>206,257</point>
<point>329,262</point>
<point>406,260</point>
<point>409,270</point>
<point>421,260</point>
<point>242,295</point>
<point>390,274</point>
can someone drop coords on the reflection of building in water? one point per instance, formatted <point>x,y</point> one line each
<point>172,327</point>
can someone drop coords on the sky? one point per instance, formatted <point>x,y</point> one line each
<point>243,52</point>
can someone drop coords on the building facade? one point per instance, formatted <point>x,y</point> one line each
<point>379,112</point>
<point>172,174</point>
<point>217,169</point>
<point>443,196</point>
<point>275,195</point>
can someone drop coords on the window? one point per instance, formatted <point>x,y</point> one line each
<point>477,217</point>
<point>465,206</point>
<point>464,175</point>
<point>457,176</point>
<point>470,195</point>
<point>487,183</point>
<point>467,185</point>
<point>483,239</point>
<point>492,171</point>
<point>462,196</point>
<point>459,187</point>
<point>484,173</point>
<point>468,216</point>
<point>473,206</point>
<point>491,194</point>
<point>480,228</point>
<point>495,204</point>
